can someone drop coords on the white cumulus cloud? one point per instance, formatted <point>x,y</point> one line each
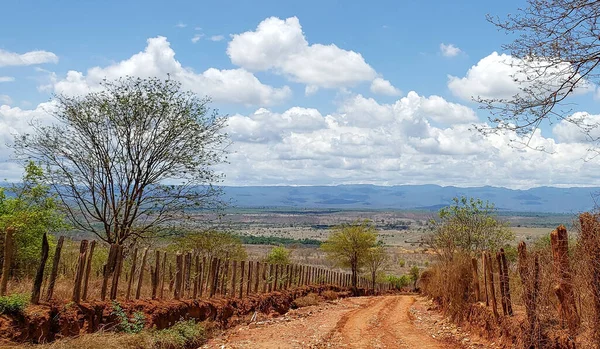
<point>7,79</point>
<point>280,45</point>
<point>158,60</point>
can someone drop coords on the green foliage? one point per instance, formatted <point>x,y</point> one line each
<point>398,281</point>
<point>402,263</point>
<point>111,152</point>
<point>276,240</point>
<point>184,334</point>
<point>32,210</point>
<point>375,260</point>
<point>414,275</point>
<point>213,244</point>
<point>468,225</point>
<point>349,244</point>
<point>278,255</point>
<point>14,304</point>
<point>125,324</point>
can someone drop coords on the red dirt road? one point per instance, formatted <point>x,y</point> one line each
<point>364,322</point>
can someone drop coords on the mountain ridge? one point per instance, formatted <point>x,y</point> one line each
<point>369,196</point>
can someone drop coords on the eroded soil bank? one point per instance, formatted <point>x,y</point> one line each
<point>46,323</point>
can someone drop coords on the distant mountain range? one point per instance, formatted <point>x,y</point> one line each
<point>425,197</point>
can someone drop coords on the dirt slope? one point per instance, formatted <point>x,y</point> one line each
<point>363,322</point>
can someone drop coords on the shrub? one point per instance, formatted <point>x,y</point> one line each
<point>125,324</point>
<point>182,335</point>
<point>14,304</point>
<point>451,284</point>
<point>308,300</point>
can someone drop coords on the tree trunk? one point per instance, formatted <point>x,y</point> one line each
<point>8,254</point>
<point>39,276</point>
<point>54,272</point>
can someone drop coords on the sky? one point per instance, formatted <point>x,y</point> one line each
<point>316,92</point>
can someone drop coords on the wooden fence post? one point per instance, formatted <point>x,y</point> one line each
<point>490,275</point>
<point>506,282</point>
<point>564,288</point>
<point>163,272</point>
<point>178,275</point>
<point>242,267</point>
<point>476,279</point>
<point>249,285</point>
<point>225,278</point>
<point>264,278</point>
<point>117,274</point>
<point>138,292</point>
<point>215,276</point>
<point>485,280</point>
<point>256,278</point>
<point>76,297</point>
<point>271,274</point>
<point>39,276</point>
<point>202,277</point>
<point>155,274</point>
<point>88,270</point>
<point>8,254</point>
<point>131,274</point>
<point>501,284</point>
<point>196,276</point>
<point>54,272</point>
<point>188,272</point>
<point>529,283</point>
<point>233,278</point>
<point>590,240</point>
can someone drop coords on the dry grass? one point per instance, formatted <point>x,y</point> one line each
<point>308,300</point>
<point>329,295</point>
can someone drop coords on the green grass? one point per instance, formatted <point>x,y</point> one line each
<point>14,304</point>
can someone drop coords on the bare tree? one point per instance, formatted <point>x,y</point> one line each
<point>555,55</point>
<point>132,158</point>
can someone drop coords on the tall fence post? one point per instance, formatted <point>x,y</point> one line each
<point>256,278</point>
<point>501,284</point>
<point>508,300</point>
<point>8,254</point>
<point>88,270</point>
<point>196,276</point>
<point>54,272</point>
<point>264,278</point>
<point>490,276</point>
<point>242,267</point>
<point>131,274</point>
<point>178,275</point>
<point>485,280</point>
<point>233,278</point>
<point>39,276</point>
<point>162,273</point>
<point>476,279</point>
<point>249,285</point>
<point>138,291</point>
<point>76,297</point>
<point>590,240</point>
<point>117,274</point>
<point>564,287</point>
<point>155,274</point>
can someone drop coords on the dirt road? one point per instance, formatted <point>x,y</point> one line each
<point>364,322</point>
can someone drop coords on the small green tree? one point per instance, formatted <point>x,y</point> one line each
<point>32,210</point>
<point>468,225</point>
<point>414,275</point>
<point>375,260</point>
<point>278,255</point>
<point>349,244</point>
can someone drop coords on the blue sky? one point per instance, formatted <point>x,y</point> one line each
<point>394,108</point>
